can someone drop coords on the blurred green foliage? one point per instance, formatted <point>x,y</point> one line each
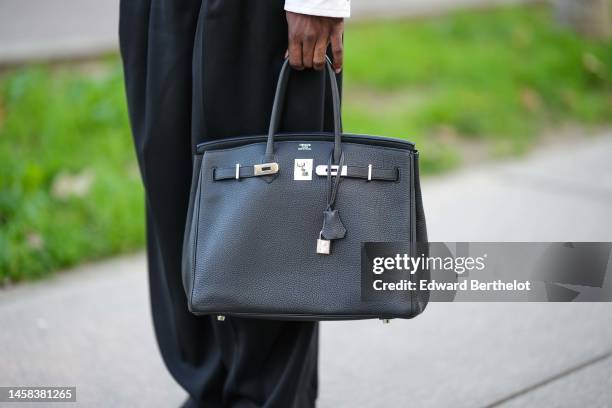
<point>500,76</point>
<point>69,184</point>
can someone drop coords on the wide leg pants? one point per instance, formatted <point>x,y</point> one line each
<point>199,70</point>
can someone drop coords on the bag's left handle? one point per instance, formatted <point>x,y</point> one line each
<point>279,100</point>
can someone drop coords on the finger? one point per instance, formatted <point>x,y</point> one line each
<point>337,51</point>
<point>318,59</point>
<point>308,45</point>
<point>295,55</point>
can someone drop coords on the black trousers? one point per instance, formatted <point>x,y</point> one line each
<point>199,70</point>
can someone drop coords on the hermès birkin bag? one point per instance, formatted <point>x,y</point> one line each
<point>277,223</point>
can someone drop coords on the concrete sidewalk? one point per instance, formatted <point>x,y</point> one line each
<point>69,331</point>
<point>37,30</point>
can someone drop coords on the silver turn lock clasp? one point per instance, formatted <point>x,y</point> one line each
<point>323,245</point>
<point>265,169</point>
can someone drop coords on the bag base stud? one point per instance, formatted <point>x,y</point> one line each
<point>386,321</point>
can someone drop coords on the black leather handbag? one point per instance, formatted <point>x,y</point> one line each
<point>276,223</point>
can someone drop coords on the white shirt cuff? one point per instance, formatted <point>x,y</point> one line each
<point>325,8</point>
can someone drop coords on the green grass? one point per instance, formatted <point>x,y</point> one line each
<point>70,189</point>
<point>500,77</point>
<point>65,128</point>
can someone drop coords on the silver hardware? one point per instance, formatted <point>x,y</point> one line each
<point>265,169</point>
<point>220,318</point>
<point>237,171</point>
<point>321,170</point>
<point>369,172</point>
<point>323,245</point>
<point>386,321</point>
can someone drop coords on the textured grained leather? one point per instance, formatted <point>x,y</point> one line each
<point>250,244</point>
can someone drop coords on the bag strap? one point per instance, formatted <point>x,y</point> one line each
<point>279,100</point>
<point>357,172</point>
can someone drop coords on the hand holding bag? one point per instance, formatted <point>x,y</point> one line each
<point>276,223</point>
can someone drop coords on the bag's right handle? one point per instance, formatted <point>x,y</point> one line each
<point>279,100</point>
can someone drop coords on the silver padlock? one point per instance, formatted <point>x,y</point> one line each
<point>323,245</point>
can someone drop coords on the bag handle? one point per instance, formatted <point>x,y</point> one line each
<point>277,110</point>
